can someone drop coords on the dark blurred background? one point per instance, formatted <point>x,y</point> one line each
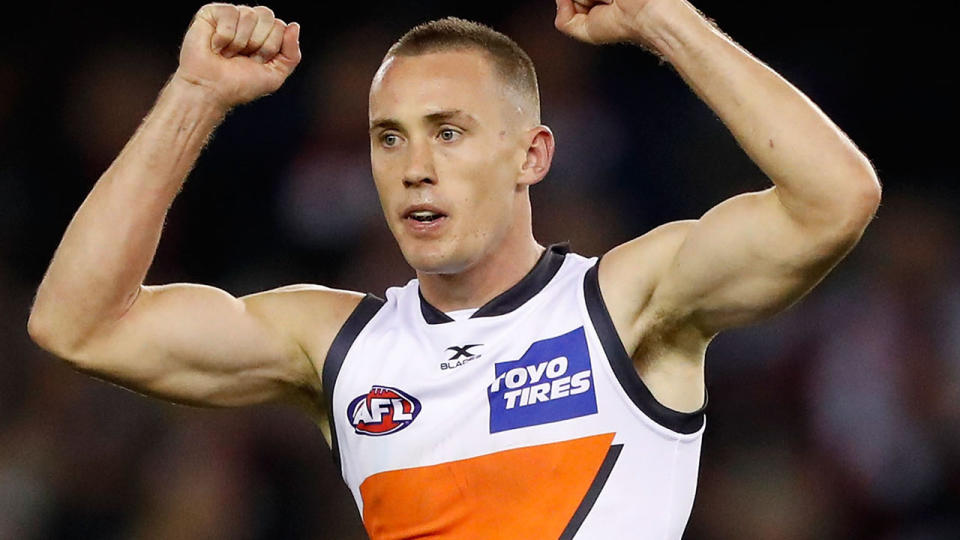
<point>837,419</point>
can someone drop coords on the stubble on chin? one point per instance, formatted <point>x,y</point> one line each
<point>443,258</point>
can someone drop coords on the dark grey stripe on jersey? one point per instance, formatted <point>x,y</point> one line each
<point>365,310</point>
<point>624,369</point>
<point>431,314</point>
<point>590,497</point>
<point>514,297</point>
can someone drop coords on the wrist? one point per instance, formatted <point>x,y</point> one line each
<point>197,95</point>
<point>667,25</point>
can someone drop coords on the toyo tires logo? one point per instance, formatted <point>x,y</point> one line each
<point>552,381</point>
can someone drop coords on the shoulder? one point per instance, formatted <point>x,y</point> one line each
<point>634,268</point>
<point>310,315</point>
<point>629,274</point>
<point>301,299</point>
<point>660,241</point>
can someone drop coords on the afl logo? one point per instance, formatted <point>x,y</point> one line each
<point>382,410</point>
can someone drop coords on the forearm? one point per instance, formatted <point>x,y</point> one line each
<point>101,261</point>
<point>817,170</point>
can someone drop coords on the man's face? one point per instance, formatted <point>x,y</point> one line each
<point>446,145</point>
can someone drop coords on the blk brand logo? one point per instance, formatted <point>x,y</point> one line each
<point>460,356</point>
<point>552,381</point>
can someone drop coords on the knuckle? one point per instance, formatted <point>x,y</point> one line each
<point>223,10</point>
<point>269,50</point>
<point>264,11</point>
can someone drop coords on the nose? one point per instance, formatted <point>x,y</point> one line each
<point>419,168</point>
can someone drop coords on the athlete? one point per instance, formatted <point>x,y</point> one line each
<point>511,390</point>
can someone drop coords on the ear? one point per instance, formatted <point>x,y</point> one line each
<point>539,156</point>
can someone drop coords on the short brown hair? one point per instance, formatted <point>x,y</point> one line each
<point>511,63</point>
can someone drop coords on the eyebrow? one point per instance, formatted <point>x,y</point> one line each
<point>432,118</point>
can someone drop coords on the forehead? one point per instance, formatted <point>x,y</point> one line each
<point>417,85</point>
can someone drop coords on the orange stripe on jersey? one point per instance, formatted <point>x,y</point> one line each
<point>523,493</point>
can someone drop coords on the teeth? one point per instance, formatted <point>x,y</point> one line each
<point>424,215</point>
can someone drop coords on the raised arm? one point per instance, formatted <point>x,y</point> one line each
<point>187,343</point>
<point>754,254</point>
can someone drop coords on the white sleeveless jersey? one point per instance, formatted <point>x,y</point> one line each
<point>526,420</point>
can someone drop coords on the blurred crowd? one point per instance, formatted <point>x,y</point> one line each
<point>839,418</point>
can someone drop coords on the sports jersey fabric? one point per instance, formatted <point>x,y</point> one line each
<point>525,420</point>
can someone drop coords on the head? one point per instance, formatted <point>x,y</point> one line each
<point>455,143</point>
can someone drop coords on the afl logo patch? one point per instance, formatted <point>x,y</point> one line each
<point>382,410</point>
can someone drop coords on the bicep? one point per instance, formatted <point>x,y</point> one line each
<point>199,345</point>
<point>745,260</point>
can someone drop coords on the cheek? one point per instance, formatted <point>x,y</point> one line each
<point>492,190</point>
<point>383,169</point>
<point>382,186</point>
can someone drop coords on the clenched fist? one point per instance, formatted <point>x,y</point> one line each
<point>238,53</point>
<point>608,21</point>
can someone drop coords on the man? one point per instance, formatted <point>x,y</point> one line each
<point>511,391</point>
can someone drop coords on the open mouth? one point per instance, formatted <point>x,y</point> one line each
<point>423,213</point>
<point>425,216</point>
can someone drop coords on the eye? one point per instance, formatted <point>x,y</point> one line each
<point>448,134</point>
<point>389,140</point>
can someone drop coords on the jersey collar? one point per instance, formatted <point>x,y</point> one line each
<point>514,297</point>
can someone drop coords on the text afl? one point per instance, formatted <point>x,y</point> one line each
<point>382,410</point>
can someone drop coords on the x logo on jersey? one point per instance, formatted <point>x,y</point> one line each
<point>463,351</point>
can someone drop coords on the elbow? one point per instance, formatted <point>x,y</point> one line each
<point>40,329</point>
<point>75,334</point>
<point>851,217</point>
<point>864,191</point>
<point>53,337</point>
<point>841,219</point>
<point>864,202</point>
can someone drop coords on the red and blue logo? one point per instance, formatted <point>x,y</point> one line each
<point>382,411</point>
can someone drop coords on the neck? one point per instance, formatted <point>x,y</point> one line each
<point>493,274</point>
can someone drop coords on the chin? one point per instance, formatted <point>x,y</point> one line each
<point>434,257</point>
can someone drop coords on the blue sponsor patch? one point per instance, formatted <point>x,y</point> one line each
<point>552,381</point>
